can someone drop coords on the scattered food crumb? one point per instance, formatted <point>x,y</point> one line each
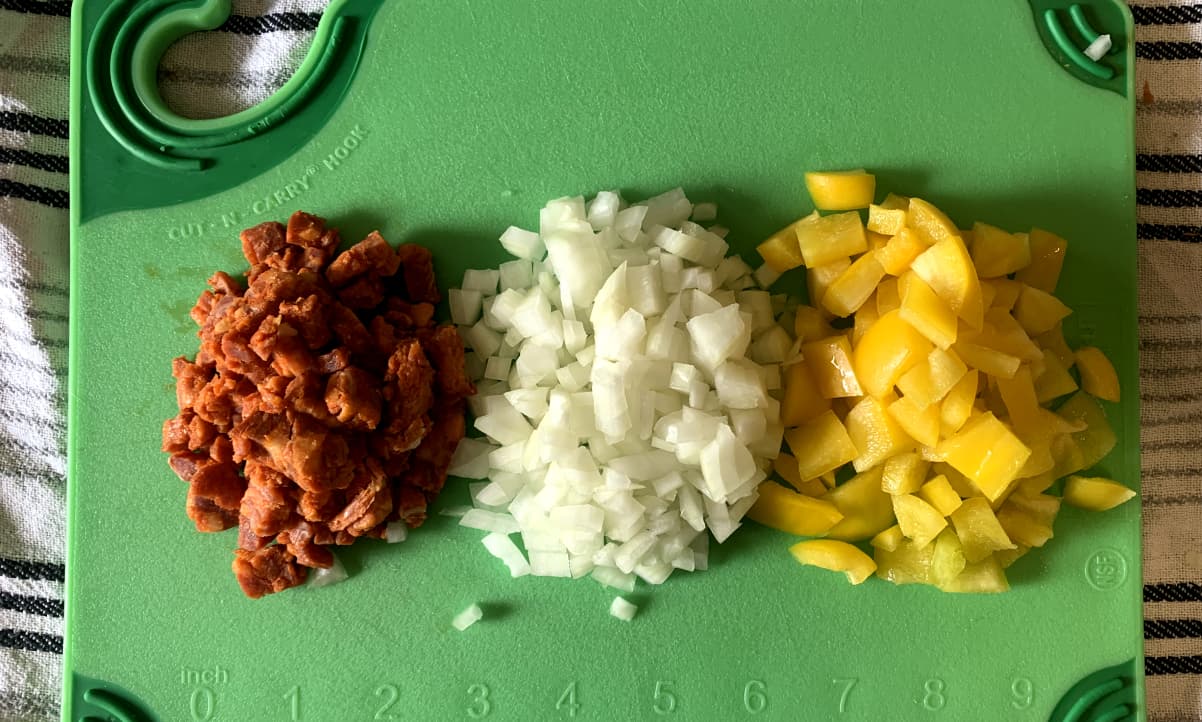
<point>467,617</point>
<point>623,609</point>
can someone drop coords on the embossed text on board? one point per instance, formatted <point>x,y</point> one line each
<point>216,675</point>
<point>343,150</point>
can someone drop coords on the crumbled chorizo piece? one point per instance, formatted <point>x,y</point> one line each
<point>323,400</point>
<point>353,397</point>
<point>418,265</point>
<point>267,571</point>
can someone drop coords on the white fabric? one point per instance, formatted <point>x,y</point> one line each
<point>241,65</point>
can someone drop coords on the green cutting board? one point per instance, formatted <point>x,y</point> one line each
<point>442,122</point>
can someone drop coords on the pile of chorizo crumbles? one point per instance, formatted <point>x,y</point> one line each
<point>324,403</point>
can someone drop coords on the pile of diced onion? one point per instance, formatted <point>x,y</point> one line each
<point>626,369</point>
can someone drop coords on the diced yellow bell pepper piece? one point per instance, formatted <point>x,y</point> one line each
<point>1006,557</point>
<point>998,253</point>
<point>1047,258</point>
<point>854,286</point>
<point>1002,332</point>
<point>780,251</point>
<point>819,279</point>
<point>1022,405</point>
<point>803,400</point>
<point>987,294</point>
<point>907,564</point>
<point>830,361</point>
<point>827,239</point>
<point>888,349</point>
<point>785,466</point>
<point>993,362</point>
<point>876,241</point>
<point>959,482</point>
<point>947,562</point>
<point>919,521</point>
<point>979,530</point>
<point>865,507</point>
<point>1039,311</point>
<point>1067,455</point>
<point>888,539</point>
<point>875,433</point>
<point>788,511</point>
<point>925,311</point>
<point>865,317</point>
<point>920,423</point>
<point>1055,381</point>
<point>835,556</point>
<point>988,453</point>
<point>1037,484</point>
<point>1041,460</point>
<point>932,224</point>
<point>1054,341</point>
<point>1095,493</point>
<point>886,221</point>
<point>928,383</point>
<point>1005,292</point>
<point>820,445</point>
<point>948,270</point>
<point>957,405</point>
<point>841,190</point>
<point>1098,376</point>
<point>888,297</point>
<point>904,473</point>
<point>900,251</point>
<point>894,202</point>
<point>1098,438</point>
<point>1028,521</point>
<point>938,492</point>
<point>810,325</point>
<point>984,577</point>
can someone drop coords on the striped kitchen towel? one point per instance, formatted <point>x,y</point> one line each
<point>254,52</point>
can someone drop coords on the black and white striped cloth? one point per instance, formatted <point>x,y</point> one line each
<point>253,53</point>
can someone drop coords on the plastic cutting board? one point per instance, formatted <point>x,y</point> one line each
<point>444,121</point>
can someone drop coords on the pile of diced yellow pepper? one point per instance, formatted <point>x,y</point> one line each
<point>937,394</point>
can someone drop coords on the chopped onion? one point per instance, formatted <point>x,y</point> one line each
<point>325,577</point>
<point>467,617</point>
<point>1096,50</point>
<point>396,531</point>
<point>626,385</point>
<point>623,609</point>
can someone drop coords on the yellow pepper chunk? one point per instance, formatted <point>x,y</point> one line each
<point>865,508</point>
<point>828,238</point>
<point>889,539</point>
<point>894,202</point>
<point>1098,438</point>
<point>907,564</point>
<point>957,405</point>
<point>1054,341</point>
<point>1037,484</point>
<point>810,325</point>
<point>1047,258</point>
<point>803,400</point>
<point>926,311</point>
<point>900,251</point>
<point>876,241</point>
<point>820,445</point>
<point>947,561</point>
<point>1039,311</point>
<point>854,286</point>
<point>865,317</point>
<point>931,224</point>
<point>938,492</point>
<point>830,361</point>
<point>1002,332</point>
<point>785,466</point>
<point>998,253</point>
<point>984,577</point>
<point>947,269</point>
<point>1022,405</point>
<point>919,521</point>
<point>875,433</point>
<point>1095,493</point>
<point>886,221</point>
<point>835,556</point>
<point>888,349</point>
<point>1028,521</point>
<point>991,361</point>
<point>1098,376</point>
<point>788,511</point>
<point>986,452</point>
<point>928,383</point>
<point>920,423</point>
<point>841,190</point>
<point>1007,557</point>
<point>819,279</point>
<point>888,297</point>
<point>904,473</point>
<point>1055,381</point>
<point>780,251</point>
<point>1005,292</point>
<point>980,532</point>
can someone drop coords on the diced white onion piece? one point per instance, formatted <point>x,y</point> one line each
<point>497,368</point>
<point>670,208</point>
<point>550,563</point>
<point>766,275</point>
<point>456,511</point>
<point>464,305</point>
<point>603,209</point>
<point>467,617</point>
<point>1096,50</point>
<point>705,212</point>
<point>622,609</point>
<point>517,274</point>
<point>325,577</point>
<point>739,385</point>
<point>483,281</point>
<point>483,340</point>
<point>523,244</point>
<point>504,424</point>
<point>614,578</point>
<point>772,347</point>
<point>470,460</point>
<point>396,532</point>
<point>503,548</point>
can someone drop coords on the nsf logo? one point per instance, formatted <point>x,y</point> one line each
<point>1106,569</point>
